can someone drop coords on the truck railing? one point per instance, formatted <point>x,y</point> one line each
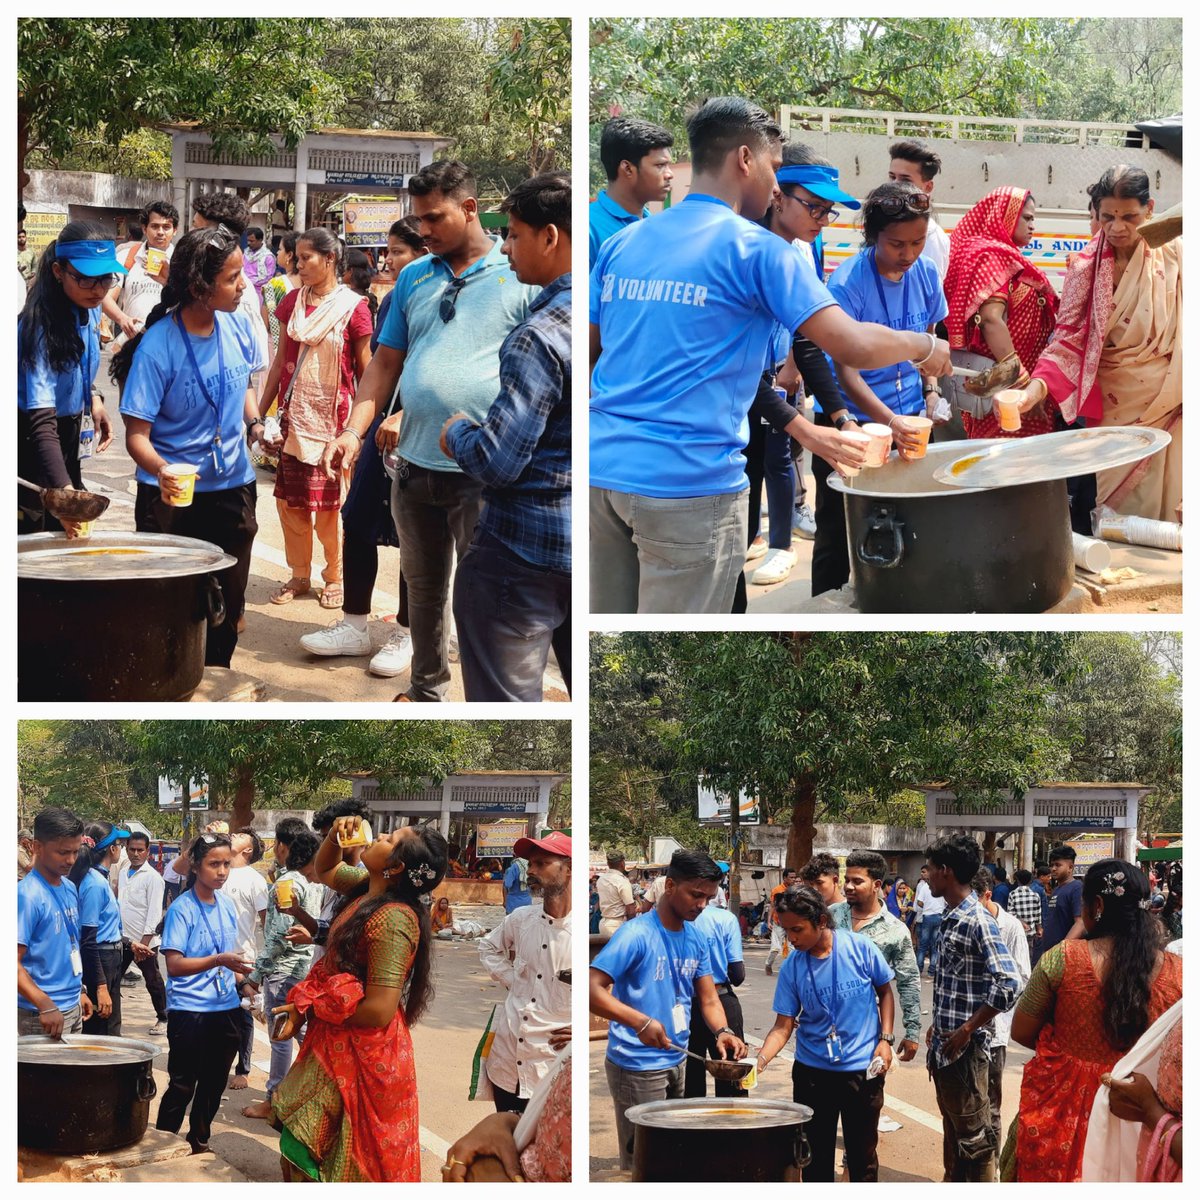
<point>1019,131</point>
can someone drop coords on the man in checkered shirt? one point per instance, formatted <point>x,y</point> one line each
<point>976,978</point>
<point>1026,905</point>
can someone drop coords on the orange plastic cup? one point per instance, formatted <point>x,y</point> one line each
<point>919,425</point>
<point>283,893</point>
<point>185,476</point>
<point>154,260</point>
<point>1009,404</point>
<point>362,836</point>
<point>881,444</point>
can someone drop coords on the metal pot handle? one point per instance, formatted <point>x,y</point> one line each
<point>146,1089</point>
<point>883,520</point>
<point>803,1151</point>
<point>215,601</point>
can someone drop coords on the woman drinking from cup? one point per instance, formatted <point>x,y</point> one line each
<point>204,1027</point>
<point>349,1104</point>
<point>324,347</point>
<point>889,283</point>
<point>1113,360</point>
<point>59,417</point>
<point>836,993</point>
<point>187,403</point>
<point>1000,305</point>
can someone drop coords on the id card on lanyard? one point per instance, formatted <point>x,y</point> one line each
<point>219,980</point>
<point>679,1011</point>
<point>87,429</point>
<point>216,410</point>
<point>887,312</point>
<point>72,930</point>
<point>833,1041</point>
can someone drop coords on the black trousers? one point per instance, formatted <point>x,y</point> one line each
<point>508,1101</point>
<point>857,1100</point>
<point>702,1041</point>
<point>360,568</point>
<point>110,975</point>
<point>203,1046</point>
<point>225,518</point>
<point>831,554</point>
<point>150,973</point>
<point>508,613</point>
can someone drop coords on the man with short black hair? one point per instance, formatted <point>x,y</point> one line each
<point>258,263</point>
<point>636,157</point>
<point>675,302</point>
<point>724,936</point>
<point>913,162</point>
<point>512,592</point>
<point>1041,887</point>
<point>643,983</point>
<point>247,891</point>
<point>929,909</point>
<point>1024,904</point>
<point>975,979</point>
<point>1065,922</point>
<point>133,299</point>
<point>451,313</point>
<point>779,942</point>
<point>615,894</point>
<point>50,994</point>
<point>140,890</point>
<point>823,873</point>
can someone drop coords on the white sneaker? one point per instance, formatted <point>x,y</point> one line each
<point>395,657</point>
<point>803,522</point>
<point>756,549</point>
<point>339,638</point>
<point>158,1029</point>
<point>887,1125</point>
<point>776,567</point>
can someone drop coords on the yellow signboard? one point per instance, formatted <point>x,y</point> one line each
<point>41,228</point>
<point>366,223</point>
<point>498,837</point>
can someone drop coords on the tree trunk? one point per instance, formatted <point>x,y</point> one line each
<point>802,831</point>
<point>989,847</point>
<point>243,801</point>
<point>735,861</point>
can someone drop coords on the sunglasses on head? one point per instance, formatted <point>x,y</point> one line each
<point>895,205</point>
<point>446,308</point>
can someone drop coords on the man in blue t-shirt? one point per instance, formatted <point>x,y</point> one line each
<point>1065,920</point>
<point>724,936</point>
<point>636,157</point>
<point>50,995</point>
<point>516,885</point>
<point>451,313</point>
<point>681,309</point>
<point>643,982</point>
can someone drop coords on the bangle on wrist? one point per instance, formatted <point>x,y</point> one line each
<point>929,354</point>
<point>43,1011</point>
<point>645,1027</point>
<point>354,433</point>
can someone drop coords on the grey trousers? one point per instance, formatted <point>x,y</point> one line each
<point>653,555</point>
<point>28,1021</point>
<point>638,1087</point>
<point>435,514</point>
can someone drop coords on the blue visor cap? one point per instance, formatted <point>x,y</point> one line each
<point>90,258</point>
<point>821,181</point>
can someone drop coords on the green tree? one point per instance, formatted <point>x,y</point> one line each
<point>240,78</point>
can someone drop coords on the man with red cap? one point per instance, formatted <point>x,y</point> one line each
<point>529,952</point>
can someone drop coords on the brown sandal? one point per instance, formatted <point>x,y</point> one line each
<point>290,590</point>
<point>332,596</point>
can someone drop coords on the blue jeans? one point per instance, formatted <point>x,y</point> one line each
<point>779,479</point>
<point>275,994</point>
<point>927,946</point>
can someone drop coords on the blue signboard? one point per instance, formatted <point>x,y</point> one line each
<point>1080,823</point>
<point>354,179</point>
<point>493,806</point>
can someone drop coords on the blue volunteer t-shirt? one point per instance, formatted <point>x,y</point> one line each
<point>724,936</point>
<point>450,366</point>
<point>606,218</point>
<point>1066,904</point>
<point>48,928</point>
<point>687,305</point>
<point>652,970</point>
<point>98,907</point>
<point>912,304</point>
<point>67,392</point>
<point>163,389</point>
<point>860,968</point>
<point>187,931</point>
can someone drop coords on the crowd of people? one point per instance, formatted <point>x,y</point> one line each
<point>1083,971</point>
<point>437,421</point>
<point>688,425</point>
<point>333,954</point>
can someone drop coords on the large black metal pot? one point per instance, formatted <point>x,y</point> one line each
<point>921,546</point>
<point>719,1141</point>
<point>84,1094</point>
<point>120,616</point>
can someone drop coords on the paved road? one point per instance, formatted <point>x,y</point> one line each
<point>269,649</point>
<point>444,1043</point>
<point>913,1152</point>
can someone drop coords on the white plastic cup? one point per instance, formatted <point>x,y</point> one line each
<point>881,444</point>
<point>185,475</point>
<point>1142,531</point>
<point>1091,554</point>
<point>861,439</point>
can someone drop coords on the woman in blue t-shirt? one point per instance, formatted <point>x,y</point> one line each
<point>204,969</point>
<point>835,992</point>
<point>100,925</point>
<point>187,399</point>
<point>58,355</point>
<point>888,283</point>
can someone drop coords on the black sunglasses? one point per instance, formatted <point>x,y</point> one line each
<point>893,206</point>
<point>450,298</point>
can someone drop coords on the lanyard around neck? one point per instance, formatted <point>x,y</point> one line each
<point>220,922</point>
<point>72,929</point>
<point>830,1010</point>
<point>187,341</point>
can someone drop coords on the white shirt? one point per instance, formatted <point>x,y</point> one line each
<point>655,890</point>
<point>937,248</point>
<point>247,890</point>
<point>251,303</point>
<point>140,897</point>
<point>928,905</point>
<point>525,952</point>
<point>140,292</point>
<point>1012,933</point>
<point>614,892</point>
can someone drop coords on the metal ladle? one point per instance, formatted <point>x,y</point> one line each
<point>67,504</point>
<point>994,379</point>
<point>727,1070</point>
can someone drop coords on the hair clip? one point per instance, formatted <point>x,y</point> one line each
<point>89,842</point>
<point>419,874</point>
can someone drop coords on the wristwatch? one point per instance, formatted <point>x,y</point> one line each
<point>842,421</point>
<point>724,1029</point>
<point>890,1038</point>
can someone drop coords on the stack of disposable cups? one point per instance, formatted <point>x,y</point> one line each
<point>1141,531</point>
